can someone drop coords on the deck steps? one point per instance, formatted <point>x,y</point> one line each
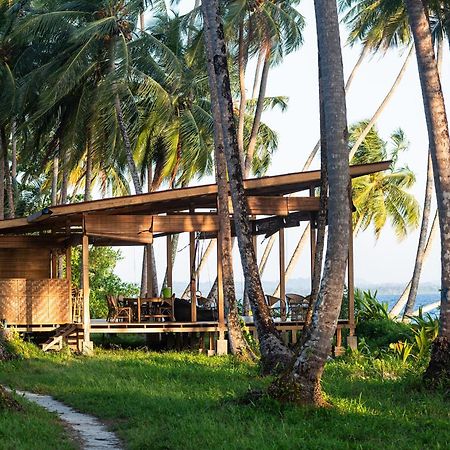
<point>65,334</point>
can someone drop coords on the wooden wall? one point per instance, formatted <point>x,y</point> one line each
<point>29,263</point>
<point>33,302</point>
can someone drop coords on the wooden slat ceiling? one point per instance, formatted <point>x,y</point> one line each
<point>174,200</point>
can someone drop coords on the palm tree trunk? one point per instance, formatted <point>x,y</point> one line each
<point>274,354</point>
<point>266,253</point>
<point>383,105</point>
<point>201,264</point>
<point>439,141</point>
<point>88,176</point>
<point>238,343</point>
<point>55,174</point>
<point>2,178</point>
<point>258,112</point>
<point>242,61</point>
<point>301,383</point>
<point>401,302</point>
<point>65,177</point>
<point>409,309</point>
<point>14,159</point>
<point>321,223</point>
<point>10,212</point>
<point>127,146</point>
<point>350,79</point>
<point>257,73</point>
<point>294,258</point>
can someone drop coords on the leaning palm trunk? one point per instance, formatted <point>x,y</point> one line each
<point>238,343</point>
<point>321,224</point>
<point>413,285</point>
<point>300,245</point>
<point>88,175</point>
<point>401,302</point>
<point>55,180</point>
<point>383,105</point>
<point>301,383</point>
<point>274,354</point>
<point>201,264</point>
<point>422,243</point>
<point>439,142</point>
<point>258,112</point>
<point>242,62</point>
<point>9,189</point>
<point>2,179</point>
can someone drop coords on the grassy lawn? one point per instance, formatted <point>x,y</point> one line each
<point>32,428</point>
<point>187,401</point>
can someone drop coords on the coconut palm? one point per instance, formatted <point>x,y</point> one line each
<point>301,383</point>
<point>383,196</point>
<point>439,141</point>
<point>270,30</point>
<point>273,351</point>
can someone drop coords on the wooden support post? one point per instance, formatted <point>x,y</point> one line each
<point>222,344</point>
<point>87,344</point>
<point>212,347</point>
<point>150,270</point>
<point>69,265</point>
<point>54,268</point>
<point>69,279</point>
<point>351,283</point>
<point>193,277</point>
<point>313,238</point>
<point>282,273</point>
<point>169,262</point>
<point>220,294</point>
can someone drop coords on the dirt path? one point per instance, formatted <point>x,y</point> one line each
<point>93,434</point>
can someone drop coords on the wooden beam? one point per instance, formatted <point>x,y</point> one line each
<point>33,241</point>
<point>185,223</point>
<point>282,273</point>
<point>279,206</point>
<point>144,238</point>
<point>313,243</point>
<point>121,227</point>
<point>85,287</point>
<point>193,277</point>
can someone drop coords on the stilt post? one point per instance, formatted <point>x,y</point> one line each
<point>87,344</point>
<point>282,267</point>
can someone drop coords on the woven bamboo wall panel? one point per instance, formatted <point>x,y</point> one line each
<point>26,263</point>
<point>34,302</point>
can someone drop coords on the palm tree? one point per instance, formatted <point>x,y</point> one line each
<point>383,196</point>
<point>273,352</point>
<point>367,20</point>
<point>301,383</point>
<point>272,30</point>
<point>439,141</point>
<point>378,197</point>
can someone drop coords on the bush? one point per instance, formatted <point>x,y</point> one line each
<point>378,334</point>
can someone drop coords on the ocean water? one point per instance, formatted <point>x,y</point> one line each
<point>421,300</point>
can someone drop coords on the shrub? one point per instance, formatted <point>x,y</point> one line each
<point>378,334</point>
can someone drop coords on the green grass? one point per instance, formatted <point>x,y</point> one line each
<point>32,428</point>
<point>187,401</point>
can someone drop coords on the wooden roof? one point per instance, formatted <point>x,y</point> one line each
<point>174,200</point>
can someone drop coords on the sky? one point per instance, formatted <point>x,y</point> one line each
<point>385,260</point>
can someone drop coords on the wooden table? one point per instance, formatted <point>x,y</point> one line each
<point>152,301</point>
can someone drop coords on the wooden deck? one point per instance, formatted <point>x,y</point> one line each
<point>99,326</point>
